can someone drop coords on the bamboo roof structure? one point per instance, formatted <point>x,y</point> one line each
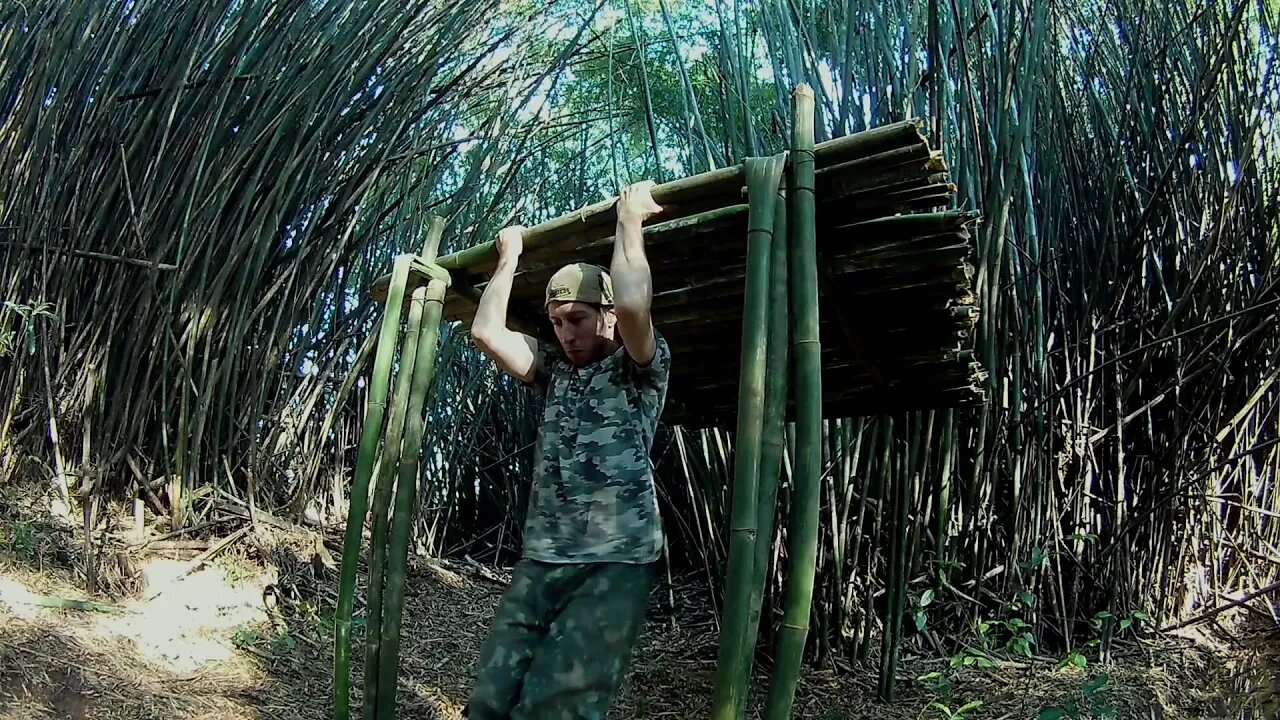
<point>897,307</point>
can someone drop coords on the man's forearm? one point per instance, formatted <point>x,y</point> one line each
<point>491,313</point>
<point>632,281</point>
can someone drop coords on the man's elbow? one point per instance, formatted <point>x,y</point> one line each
<point>631,311</point>
<point>482,336</point>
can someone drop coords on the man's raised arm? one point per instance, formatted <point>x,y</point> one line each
<point>514,352</point>
<point>632,282</point>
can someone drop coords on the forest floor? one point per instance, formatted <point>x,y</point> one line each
<point>235,626</point>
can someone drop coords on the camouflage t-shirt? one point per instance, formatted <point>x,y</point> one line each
<point>593,497</point>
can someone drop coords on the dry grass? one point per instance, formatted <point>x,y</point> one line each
<point>247,638</point>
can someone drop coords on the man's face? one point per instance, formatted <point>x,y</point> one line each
<point>585,331</point>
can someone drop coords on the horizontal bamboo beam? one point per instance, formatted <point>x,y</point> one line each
<point>724,182</point>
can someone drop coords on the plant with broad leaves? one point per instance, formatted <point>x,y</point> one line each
<point>937,684</point>
<point>1038,558</point>
<point>1075,660</point>
<point>971,658</point>
<point>921,619</point>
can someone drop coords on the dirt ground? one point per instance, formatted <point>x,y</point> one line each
<point>238,629</point>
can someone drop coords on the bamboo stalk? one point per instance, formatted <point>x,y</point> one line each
<point>772,442</point>
<point>374,410</point>
<point>88,254</point>
<point>406,487</point>
<point>807,354</point>
<point>733,661</point>
<point>388,463</point>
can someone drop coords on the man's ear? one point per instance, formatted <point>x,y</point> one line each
<point>610,321</point>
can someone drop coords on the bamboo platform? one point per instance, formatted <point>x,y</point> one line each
<point>897,308</point>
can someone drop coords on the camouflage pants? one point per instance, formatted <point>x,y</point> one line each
<point>561,642</point>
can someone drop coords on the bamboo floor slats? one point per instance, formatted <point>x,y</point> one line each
<point>897,308</point>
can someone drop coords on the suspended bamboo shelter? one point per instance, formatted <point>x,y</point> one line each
<point>827,280</point>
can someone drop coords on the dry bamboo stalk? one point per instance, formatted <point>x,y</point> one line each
<point>900,178</point>
<point>118,259</point>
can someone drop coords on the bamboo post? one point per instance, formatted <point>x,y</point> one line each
<point>382,501</point>
<point>807,354</point>
<point>775,414</point>
<point>390,461</point>
<point>375,407</point>
<point>406,488</point>
<point>733,663</point>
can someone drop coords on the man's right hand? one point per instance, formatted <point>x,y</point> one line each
<point>514,352</point>
<point>511,243</point>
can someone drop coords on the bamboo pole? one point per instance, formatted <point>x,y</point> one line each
<point>391,456</point>
<point>775,411</point>
<point>890,639</point>
<point>382,502</point>
<point>807,354</point>
<point>406,487</point>
<point>374,410</point>
<point>729,696</point>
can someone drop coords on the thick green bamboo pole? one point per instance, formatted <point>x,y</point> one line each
<point>730,692</point>
<point>382,502</point>
<point>375,408</point>
<point>807,354</point>
<point>775,414</point>
<point>391,452</point>
<point>406,487</point>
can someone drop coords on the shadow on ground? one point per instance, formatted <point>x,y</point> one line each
<point>244,636</point>
<point>47,672</point>
<point>444,618</point>
<point>254,642</point>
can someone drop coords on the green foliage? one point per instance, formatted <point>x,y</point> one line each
<point>278,642</point>
<point>937,684</point>
<point>28,315</point>
<point>1090,700</point>
<point>972,658</point>
<point>1073,659</point>
<point>21,538</point>
<point>921,618</point>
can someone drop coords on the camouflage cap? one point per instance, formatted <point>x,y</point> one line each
<point>580,282</point>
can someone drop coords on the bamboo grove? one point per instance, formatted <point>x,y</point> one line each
<point>194,200</point>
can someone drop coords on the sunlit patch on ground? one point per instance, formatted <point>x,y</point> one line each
<point>203,644</point>
<point>186,621</point>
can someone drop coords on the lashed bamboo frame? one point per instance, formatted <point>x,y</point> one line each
<point>874,173</point>
<point>896,288</point>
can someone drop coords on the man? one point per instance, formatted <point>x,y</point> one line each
<point>561,642</point>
